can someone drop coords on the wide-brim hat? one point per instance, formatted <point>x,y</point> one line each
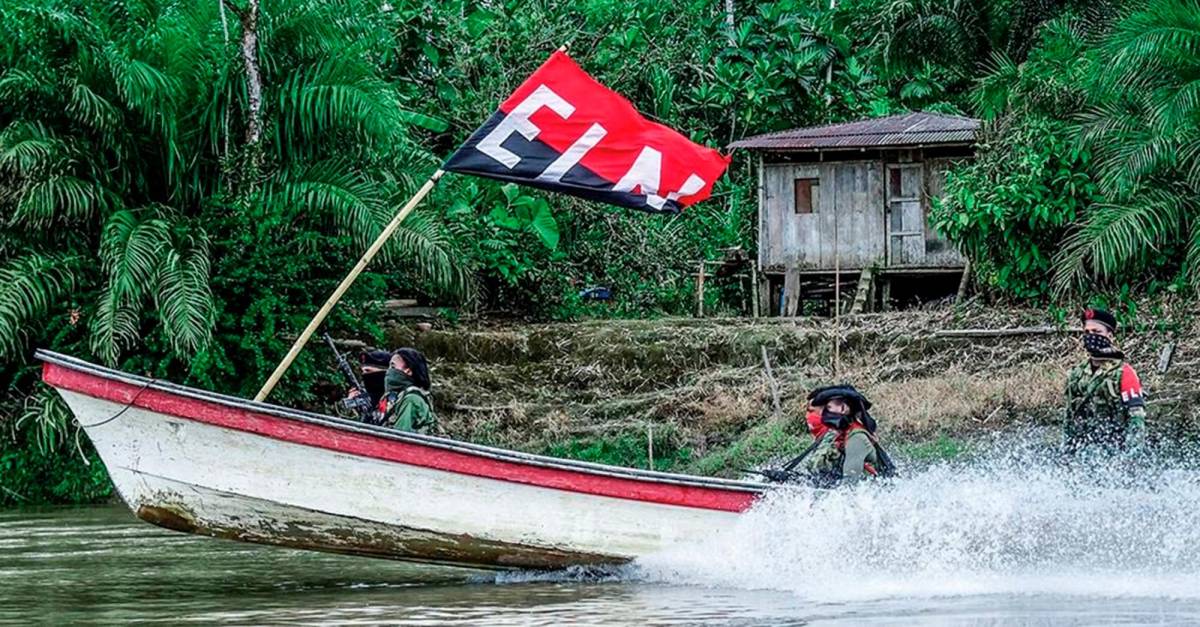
<point>848,393</point>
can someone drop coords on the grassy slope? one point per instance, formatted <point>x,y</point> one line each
<point>598,390</point>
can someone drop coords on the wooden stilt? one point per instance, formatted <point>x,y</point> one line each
<point>764,294</point>
<point>754,290</point>
<point>791,291</point>
<point>963,283</point>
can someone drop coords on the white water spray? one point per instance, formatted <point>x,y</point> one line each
<point>1009,523</point>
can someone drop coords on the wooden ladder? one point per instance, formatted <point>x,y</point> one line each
<point>863,293</point>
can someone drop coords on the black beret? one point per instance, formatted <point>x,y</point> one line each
<point>378,359</point>
<point>1100,315</point>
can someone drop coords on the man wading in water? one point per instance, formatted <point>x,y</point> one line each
<point>1105,409</point>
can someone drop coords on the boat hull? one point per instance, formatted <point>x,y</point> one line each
<point>201,463</point>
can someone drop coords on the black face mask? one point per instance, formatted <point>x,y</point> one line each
<point>835,420</point>
<point>374,382</point>
<point>1099,346</point>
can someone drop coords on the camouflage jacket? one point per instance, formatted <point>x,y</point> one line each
<point>409,410</point>
<point>1104,407</point>
<point>829,464</point>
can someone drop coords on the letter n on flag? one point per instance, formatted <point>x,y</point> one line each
<point>563,131</point>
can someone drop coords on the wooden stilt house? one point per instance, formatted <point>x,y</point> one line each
<point>851,201</point>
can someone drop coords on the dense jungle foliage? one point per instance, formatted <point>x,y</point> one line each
<point>161,213</point>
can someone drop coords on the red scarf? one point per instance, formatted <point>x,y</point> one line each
<point>815,426</point>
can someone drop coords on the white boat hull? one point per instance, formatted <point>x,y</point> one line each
<point>201,463</point>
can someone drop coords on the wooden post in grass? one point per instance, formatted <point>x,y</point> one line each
<point>345,285</point>
<point>650,446</point>
<point>754,290</point>
<point>837,299</point>
<point>700,291</point>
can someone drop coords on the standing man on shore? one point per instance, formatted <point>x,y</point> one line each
<point>1105,409</point>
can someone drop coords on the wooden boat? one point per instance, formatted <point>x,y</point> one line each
<point>220,466</point>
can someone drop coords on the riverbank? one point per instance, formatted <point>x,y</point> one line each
<point>697,395</point>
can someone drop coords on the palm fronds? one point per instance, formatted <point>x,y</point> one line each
<point>30,286</point>
<point>1119,236</point>
<point>184,297</point>
<point>112,106</point>
<point>46,419</point>
<point>1142,129</point>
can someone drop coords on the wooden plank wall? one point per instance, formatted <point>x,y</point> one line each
<point>938,251</point>
<point>850,203</point>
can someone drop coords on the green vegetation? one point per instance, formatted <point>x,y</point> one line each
<point>1090,172</point>
<point>159,214</point>
<point>944,448</point>
<point>625,449</point>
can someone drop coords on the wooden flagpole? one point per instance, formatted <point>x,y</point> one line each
<point>346,282</point>
<point>345,285</point>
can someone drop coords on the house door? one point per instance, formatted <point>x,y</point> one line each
<point>906,222</point>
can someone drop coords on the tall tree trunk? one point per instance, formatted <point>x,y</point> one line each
<point>729,22</point>
<point>253,76</point>
<point>248,165</point>
<point>829,68</point>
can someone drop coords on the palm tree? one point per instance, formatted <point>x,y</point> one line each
<point>1142,126</point>
<point>115,134</point>
<point>958,37</point>
<point>122,199</point>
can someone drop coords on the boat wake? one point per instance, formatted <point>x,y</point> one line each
<point>1006,522</point>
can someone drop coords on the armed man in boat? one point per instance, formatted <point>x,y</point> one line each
<point>374,370</point>
<point>845,449</point>
<point>406,404</point>
<point>1105,409</point>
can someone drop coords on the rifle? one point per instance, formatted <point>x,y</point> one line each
<point>361,402</point>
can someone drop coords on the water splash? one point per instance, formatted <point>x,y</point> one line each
<point>1008,522</point>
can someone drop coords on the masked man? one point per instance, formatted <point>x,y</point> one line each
<point>1105,409</point>
<point>374,371</point>
<point>845,449</point>
<point>406,403</point>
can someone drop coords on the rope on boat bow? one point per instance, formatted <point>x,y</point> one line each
<point>124,409</point>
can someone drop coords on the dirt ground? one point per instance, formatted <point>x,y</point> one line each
<point>702,386</point>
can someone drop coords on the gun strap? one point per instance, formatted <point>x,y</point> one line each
<point>799,458</point>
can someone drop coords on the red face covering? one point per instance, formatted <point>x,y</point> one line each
<point>815,426</point>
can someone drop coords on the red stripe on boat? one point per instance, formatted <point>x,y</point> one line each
<point>411,453</point>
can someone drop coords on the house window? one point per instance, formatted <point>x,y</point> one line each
<point>895,180</point>
<point>807,195</point>
<point>903,182</point>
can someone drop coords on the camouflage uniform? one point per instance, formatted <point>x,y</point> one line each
<point>406,406</point>
<point>1104,407</point>
<point>409,410</point>
<point>829,464</point>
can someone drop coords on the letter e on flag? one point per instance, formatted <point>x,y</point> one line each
<point>563,131</point>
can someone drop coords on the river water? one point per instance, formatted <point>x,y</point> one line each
<point>1003,542</point>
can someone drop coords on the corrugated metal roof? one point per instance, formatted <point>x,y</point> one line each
<point>908,129</point>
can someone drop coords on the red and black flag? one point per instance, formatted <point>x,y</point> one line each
<point>563,131</point>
